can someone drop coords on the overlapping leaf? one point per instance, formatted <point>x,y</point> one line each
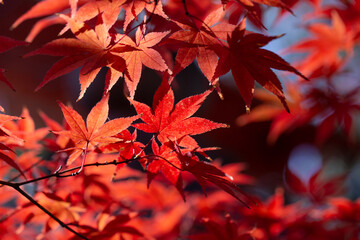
<point>327,50</point>
<point>248,63</point>
<point>171,161</point>
<point>197,42</point>
<point>23,133</point>
<point>335,108</point>
<point>95,131</point>
<point>110,227</point>
<point>317,188</point>
<point>134,7</point>
<point>89,50</point>
<point>139,53</point>
<point>171,122</point>
<point>41,9</point>
<point>82,10</point>
<point>253,9</point>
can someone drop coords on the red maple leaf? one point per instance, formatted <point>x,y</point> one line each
<point>349,12</point>
<point>205,172</point>
<point>197,41</point>
<point>23,133</point>
<point>225,229</point>
<point>343,209</point>
<point>134,7</point>
<point>127,147</point>
<point>171,122</point>
<point>41,9</point>
<point>171,161</point>
<point>112,227</point>
<point>91,49</point>
<point>327,50</point>
<point>61,141</point>
<point>317,188</point>
<point>96,131</point>
<point>140,53</point>
<point>249,62</point>
<point>253,9</point>
<point>6,153</point>
<point>165,161</point>
<point>87,9</point>
<point>60,207</point>
<point>335,107</point>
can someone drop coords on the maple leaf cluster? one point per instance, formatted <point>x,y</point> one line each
<point>140,176</point>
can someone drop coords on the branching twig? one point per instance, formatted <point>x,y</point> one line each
<point>60,174</point>
<point>24,171</point>
<point>16,186</point>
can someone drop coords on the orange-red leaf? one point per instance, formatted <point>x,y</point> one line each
<point>96,131</point>
<point>139,53</point>
<point>169,122</point>
<point>249,62</point>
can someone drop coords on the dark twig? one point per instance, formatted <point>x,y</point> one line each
<point>60,174</point>
<point>41,207</point>
<point>24,171</point>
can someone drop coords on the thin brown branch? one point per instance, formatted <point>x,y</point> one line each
<point>60,174</point>
<point>24,171</point>
<point>41,207</point>
<point>64,225</point>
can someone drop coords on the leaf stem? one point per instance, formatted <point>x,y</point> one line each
<point>162,158</point>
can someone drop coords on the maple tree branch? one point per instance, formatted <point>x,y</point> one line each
<point>24,171</point>
<point>142,150</point>
<point>59,174</point>
<point>5,183</point>
<point>41,207</point>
